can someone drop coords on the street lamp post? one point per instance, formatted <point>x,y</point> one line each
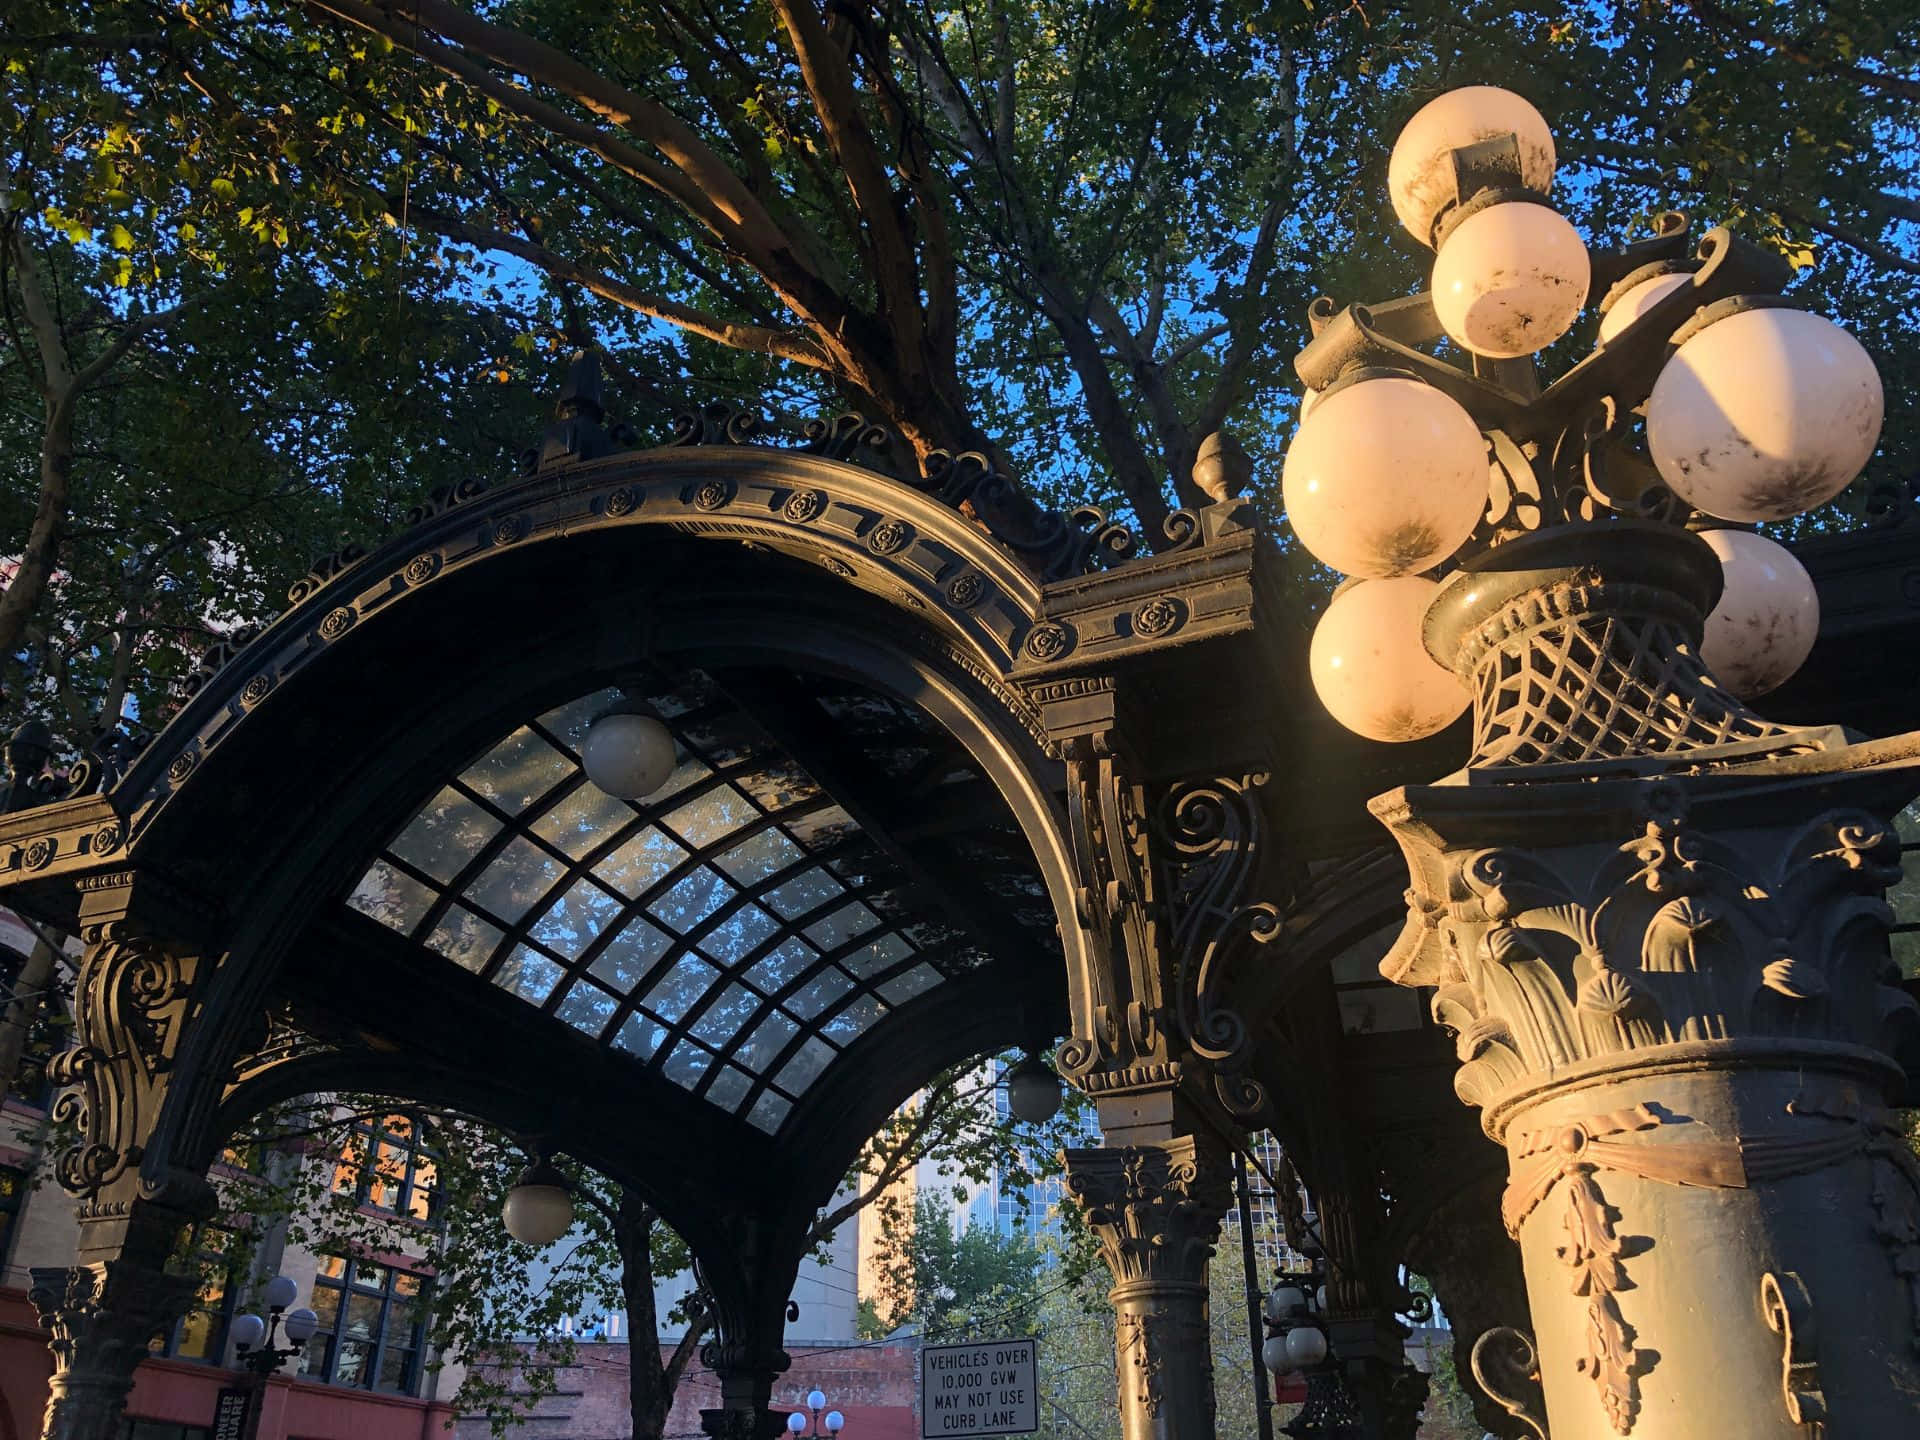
<point>1298,1344</point>
<point>1653,918</point>
<point>813,1424</point>
<point>256,1342</point>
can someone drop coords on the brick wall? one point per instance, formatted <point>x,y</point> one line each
<point>873,1386</point>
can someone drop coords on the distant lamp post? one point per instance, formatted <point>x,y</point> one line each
<point>814,1424</point>
<point>1033,1091</point>
<point>255,1339</point>
<point>539,1207</point>
<point>1297,1344</point>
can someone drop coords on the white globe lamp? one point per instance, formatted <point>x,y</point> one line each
<point>1387,478</point>
<point>539,1207</point>
<point>1033,1091</point>
<point>1420,177</point>
<point>628,756</point>
<point>248,1331</point>
<point>1636,302</point>
<point>300,1325</point>
<point>836,1422</point>
<point>1306,1345</point>
<point>1284,1302</point>
<point>816,1399</point>
<point>1510,280</point>
<point>1764,627</point>
<point>1764,414</point>
<point>280,1292</point>
<point>1371,668</point>
<point>796,1423</point>
<point>1274,1356</point>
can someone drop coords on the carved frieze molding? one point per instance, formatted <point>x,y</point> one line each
<point>1552,958</point>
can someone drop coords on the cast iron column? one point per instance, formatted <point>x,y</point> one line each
<point>1656,924</point>
<point>1157,1210</point>
<point>132,996</point>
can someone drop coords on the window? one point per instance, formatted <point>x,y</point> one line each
<point>373,1323</point>
<point>390,1164</point>
<point>136,1429</point>
<point>201,1334</point>
<point>13,1191</point>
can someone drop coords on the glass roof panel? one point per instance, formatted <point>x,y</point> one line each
<point>394,898</point>
<point>711,815</point>
<point>640,864</point>
<point>583,821</point>
<point>808,890</point>
<point>691,931</point>
<point>630,954</point>
<point>577,918</point>
<point>466,939</point>
<point>769,1111</point>
<point>844,924</point>
<point>680,989</point>
<point>587,1007</point>
<point>765,852</point>
<point>528,974</point>
<point>518,771</point>
<point>447,834</point>
<point>519,875</point>
<point>806,1066</point>
<point>692,899</point>
<point>739,933</point>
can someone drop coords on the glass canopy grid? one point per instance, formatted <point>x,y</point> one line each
<point>733,933</point>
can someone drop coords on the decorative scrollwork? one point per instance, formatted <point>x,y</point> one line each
<point>889,537</point>
<point>1048,641</point>
<point>217,657</point>
<point>1789,1310</point>
<point>422,567</point>
<point>711,495</point>
<point>803,506</point>
<point>323,571</point>
<point>1159,617</point>
<point>1056,545</point>
<point>337,622</point>
<point>1212,833</point>
<point>622,501</point>
<point>1507,1367</point>
<point>1155,1208</point>
<point>967,590</point>
<point>845,436</point>
<point>129,1000</point>
<point>715,425</point>
<point>444,497</point>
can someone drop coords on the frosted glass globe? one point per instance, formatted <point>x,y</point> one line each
<point>301,1324</point>
<point>1510,280</point>
<point>537,1214</point>
<point>1306,1345</point>
<point>1284,1302</point>
<point>796,1422</point>
<point>280,1292</point>
<point>836,1422</point>
<point>1764,414</point>
<point>816,1399</point>
<point>1370,668</point>
<point>1637,301</point>
<point>248,1331</point>
<point>1273,1355</point>
<point>1033,1092</point>
<point>1419,174</point>
<point>1387,478</point>
<point>1308,399</point>
<point>1764,627</point>
<point>628,756</point>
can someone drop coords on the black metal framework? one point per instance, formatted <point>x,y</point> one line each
<point>734,933</point>
<point>372,1330</point>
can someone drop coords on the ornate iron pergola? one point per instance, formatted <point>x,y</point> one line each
<point>956,774</point>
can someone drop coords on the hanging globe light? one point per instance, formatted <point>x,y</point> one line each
<point>539,1207</point>
<point>1420,175</point>
<point>1763,629</point>
<point>1764,414</point>
<point>1388,478</point>
<point>1510,279</point>
<point>1623,308</point>
<point>1284,1302</point>
<point>1033,1091</point>
<point>628,755</point>
<point>1371,669</point>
